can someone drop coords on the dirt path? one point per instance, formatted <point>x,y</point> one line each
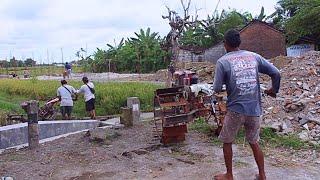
<point>106,77</point>
<point>134,156</point>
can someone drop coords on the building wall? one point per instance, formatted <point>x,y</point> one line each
<point>209,55</point>
<point>264,40</point>
<point>299,49</point>
<point>185,55</point>
<point>214,53</point>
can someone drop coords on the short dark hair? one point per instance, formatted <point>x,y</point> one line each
<point>85,79</point>
<point>232,38</point>
<point>63,81</point>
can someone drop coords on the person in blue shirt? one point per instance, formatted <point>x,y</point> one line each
<point>239,71</point>
<point>68,68</point>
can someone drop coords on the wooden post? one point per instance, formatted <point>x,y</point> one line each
<point>126,117</point>
<point>32,108</point>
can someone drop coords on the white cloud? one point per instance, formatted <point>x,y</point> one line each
<point>33,26</point>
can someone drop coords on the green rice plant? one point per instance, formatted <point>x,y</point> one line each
<point>109,96</point>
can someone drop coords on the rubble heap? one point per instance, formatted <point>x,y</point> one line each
<point>297,107</point>
<point>204,70</point>
<point>281,61</point>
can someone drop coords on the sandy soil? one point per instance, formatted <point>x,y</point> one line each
<point>134,155</point>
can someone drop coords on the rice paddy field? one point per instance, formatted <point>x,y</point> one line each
<point>109,96</point>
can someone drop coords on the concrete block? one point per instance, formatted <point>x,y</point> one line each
<point>134,103</point>
<point>126,117</point>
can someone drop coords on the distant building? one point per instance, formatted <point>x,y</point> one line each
<point>257,36</point>
<point>303,45</point>
<point>262,38</point>
<point>211,54</point>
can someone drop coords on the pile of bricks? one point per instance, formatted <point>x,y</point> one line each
<point>297,106</point>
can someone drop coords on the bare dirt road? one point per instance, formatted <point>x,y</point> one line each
<point>105,77</point>
<point>133,155</point>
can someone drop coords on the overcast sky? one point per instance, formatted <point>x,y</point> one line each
<point>30,27</point>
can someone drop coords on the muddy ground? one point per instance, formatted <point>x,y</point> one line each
<point>134,155</point>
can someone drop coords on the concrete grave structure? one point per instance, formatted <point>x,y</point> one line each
<point>17,134</point>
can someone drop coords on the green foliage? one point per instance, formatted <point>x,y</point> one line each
<point>13,62</point>
<point>138,54</point>
<point>209,32</point>
<point>269,138</point>
<point>200,125</point>
<point>200,36</point>
<point>298,18</point>
<point>230,20</point>
<point>305,22</point>
<point>262,15</point>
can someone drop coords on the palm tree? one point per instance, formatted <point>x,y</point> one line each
<point>144,43</point>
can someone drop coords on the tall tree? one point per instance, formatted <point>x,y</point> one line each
<point>298,18</point>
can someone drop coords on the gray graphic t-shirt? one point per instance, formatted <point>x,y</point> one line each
<point>239,70</point>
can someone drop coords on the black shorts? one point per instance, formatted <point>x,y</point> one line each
<point>66,110</point>
<point>90,105</point>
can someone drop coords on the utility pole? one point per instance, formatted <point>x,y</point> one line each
<point>48,57</point>
<point>62,55</point>
<point>32,58</point>
<point>86,49</point>
<point>48,61</point>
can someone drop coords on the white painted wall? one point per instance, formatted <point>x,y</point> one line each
<point>299,49</point>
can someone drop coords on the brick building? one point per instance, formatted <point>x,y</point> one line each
<point>262,38</point>
<point>256,36</point>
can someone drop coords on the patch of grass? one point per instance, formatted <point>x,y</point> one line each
<point>216,141</point>
<point>269,138</point>
<point>9,104</point>
<point>200,125</point>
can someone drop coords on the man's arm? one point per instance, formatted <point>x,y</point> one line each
<point>58,94</point>
<point>74,91</point>
<point>218,78</point>
<point>267,68</point>
<point>81,90</point>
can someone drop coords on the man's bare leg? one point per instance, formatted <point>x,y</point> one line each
<point>227,152</point>
<point>93,114</point>
<point>258,156</point>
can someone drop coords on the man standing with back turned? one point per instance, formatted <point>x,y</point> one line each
<point>65,93</point>
<point>239,70</point>
<point>88,90</point>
